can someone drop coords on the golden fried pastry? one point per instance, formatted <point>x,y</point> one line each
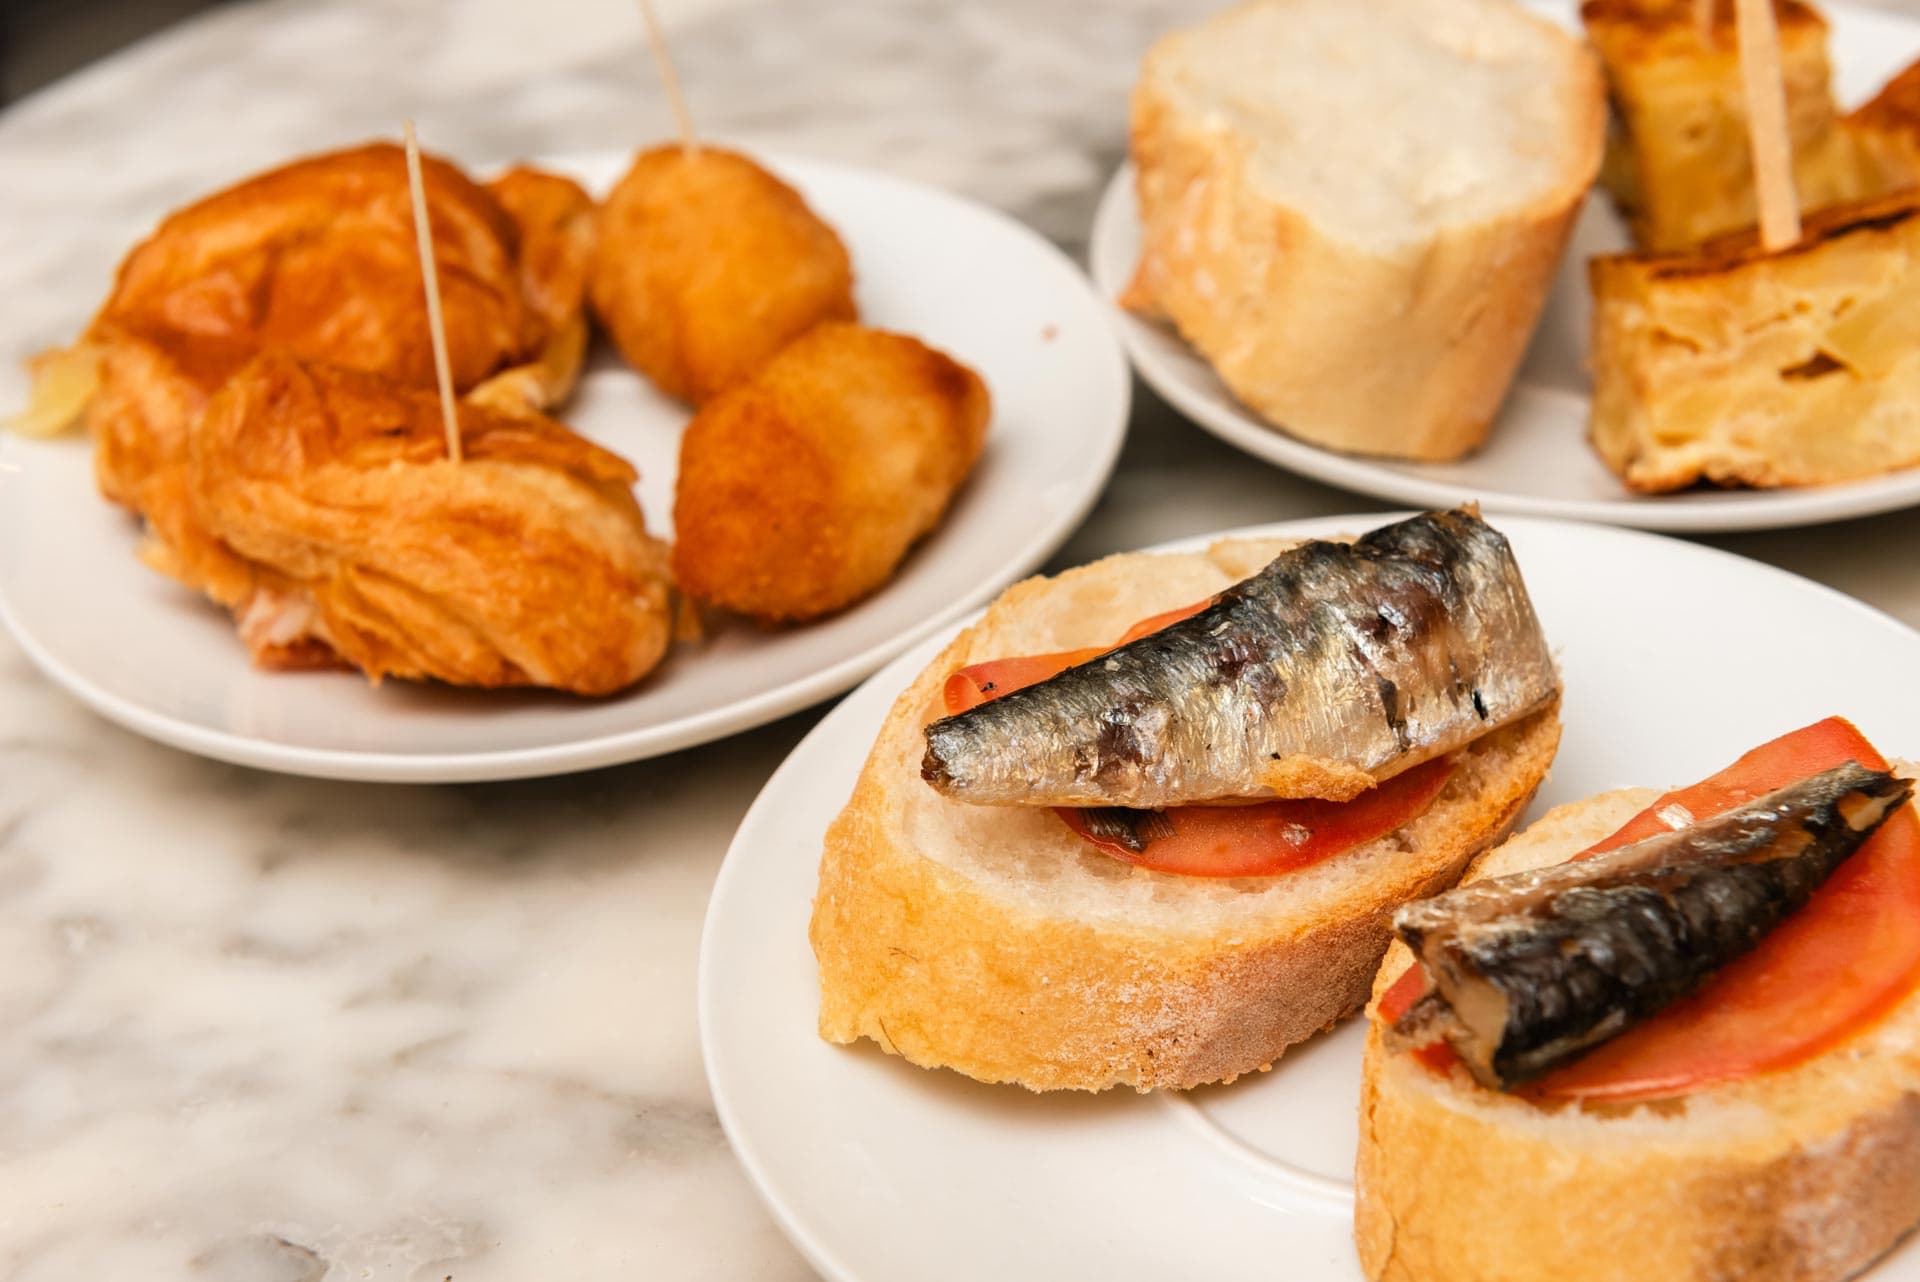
<point>801,489</point>
<point>557,223</point>
<point>345,534</point>
<point>1736,366</point>
<point>707,265</point>
<point>319,258</point>
<point>1885,136</point>
<point>1678,161</point>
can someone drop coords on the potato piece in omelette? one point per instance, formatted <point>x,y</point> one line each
<point>801,489</point>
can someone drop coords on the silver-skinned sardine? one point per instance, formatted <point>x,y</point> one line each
<point>1533,969</point>
<point>1337,665</point>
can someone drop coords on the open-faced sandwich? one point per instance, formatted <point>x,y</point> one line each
<point>1144,823</point>
<point>1665,1037</point>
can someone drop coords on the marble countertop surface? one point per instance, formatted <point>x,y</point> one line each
<point>266,1029</point>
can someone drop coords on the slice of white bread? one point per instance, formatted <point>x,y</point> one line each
<point>1805,1175</point>
<point>991,940</point>
<point>1353,208</point>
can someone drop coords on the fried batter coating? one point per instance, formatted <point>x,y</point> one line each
<point>318,258</point>
<point>557,223</point>
<point>801,489</point>
<point>707,265</point>
<point>345,534</point>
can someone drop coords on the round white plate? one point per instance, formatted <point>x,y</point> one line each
<point>1676,658</point>
<point>1537,459</point>
<point>160,660</point>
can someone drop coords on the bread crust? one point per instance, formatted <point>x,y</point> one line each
<point>933,967</point>
<point>1295,319</point>
<point>1806,1175</point>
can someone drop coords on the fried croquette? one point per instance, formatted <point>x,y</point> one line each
<point>706,265</point>
<point>801,489</point>
<point>345,534</point>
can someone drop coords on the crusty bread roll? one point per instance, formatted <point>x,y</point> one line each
<point>1353,208</point>
<point>991,940</point>
<point>1805,1175</point>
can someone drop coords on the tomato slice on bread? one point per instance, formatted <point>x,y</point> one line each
<point>1262,839</point>
<point>1271,837</point>
<point>1828,972</point>
<point>979,683</point>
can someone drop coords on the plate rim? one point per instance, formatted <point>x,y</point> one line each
<point>752,1159</point>
<point>1713,512</point>
<point>646,741</point>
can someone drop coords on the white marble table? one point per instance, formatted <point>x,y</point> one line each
<point>271,1030</point>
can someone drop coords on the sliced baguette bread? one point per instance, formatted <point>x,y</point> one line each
<point>991,940</point>
<point>1362,261</point>
<point>1805,1175</point>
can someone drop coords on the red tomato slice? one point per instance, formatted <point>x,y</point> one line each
<point>1260,840</point>
<point>980,683</point>
<point>1273,837</point>
<point>1828,972</point>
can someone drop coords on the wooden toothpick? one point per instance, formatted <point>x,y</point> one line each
<point>1772,147</point>
<point>430,275</point>
<point>669,78</point>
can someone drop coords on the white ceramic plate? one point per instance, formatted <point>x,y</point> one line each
<point>1537,459</point>
<point>158,659</point>
<point>1676,658</point>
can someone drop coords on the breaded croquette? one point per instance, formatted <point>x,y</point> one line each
<point>801,489</point>
<point>707,265</point>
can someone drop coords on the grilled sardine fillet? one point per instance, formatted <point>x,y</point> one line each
<point>345,535</point>
<point>1735,366</point>
<point>1532,969</point>
<point>1337,665</point>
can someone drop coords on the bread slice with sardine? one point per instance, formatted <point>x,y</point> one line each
<point>992,940</point>
<point>1800,1174</point>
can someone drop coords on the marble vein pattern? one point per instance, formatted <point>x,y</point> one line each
<point>275,1030</point>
